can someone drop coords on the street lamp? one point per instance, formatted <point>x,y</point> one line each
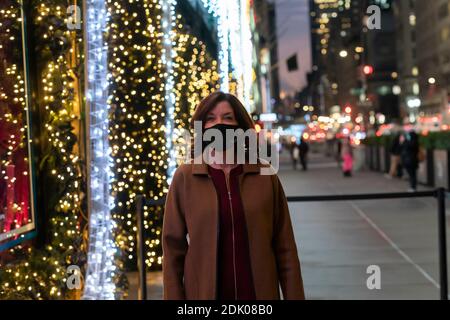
<point>397,90</point>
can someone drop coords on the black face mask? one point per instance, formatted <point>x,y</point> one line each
<point>226,143</point>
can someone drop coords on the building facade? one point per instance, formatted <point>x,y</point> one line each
<point>408,71</point>
<point>266,51</point>
<point>433,58</point>
<point>380,55</point>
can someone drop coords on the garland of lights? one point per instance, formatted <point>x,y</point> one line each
<point>137,123</point>
<point>13,137</point>
<point>41,273</point>
<point>196,77</point>
<point>158,75</point>
<point>150,106</point>
<point>235,46</point>
<point>168,56</point>
<point>234,34</point>
<point>100,270</point>
<point>246,54</point>
<point>220,11</point>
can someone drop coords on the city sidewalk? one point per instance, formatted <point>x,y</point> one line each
<point>338,241</point>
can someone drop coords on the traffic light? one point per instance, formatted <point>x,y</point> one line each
<point>348,109</point>
<point>368,70</point>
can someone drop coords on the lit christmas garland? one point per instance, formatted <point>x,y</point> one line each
<point>138,120</point>
<point>235,58</point>
<point>168,56</point>
<point>236,55</point>
<point>143,119</point>
<point>13,136</point>
<point>155,88</point>
<point>219,9</point>
<point>41,273</point>
<point>101,267</point>
<point>196,76</point>
<point>246,54</point>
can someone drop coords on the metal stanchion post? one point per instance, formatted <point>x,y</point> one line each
<point>442,243</point>
<point>440,194</point>
<point>142,294</point>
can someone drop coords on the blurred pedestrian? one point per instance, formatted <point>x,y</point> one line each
<point>347,157</point>
<point>409,143</point>
<point>304,149</point>
<point>338,151</point>
<point>395,151</point>
<point>295,154</point>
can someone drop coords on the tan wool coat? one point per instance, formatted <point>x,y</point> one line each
<point>190,236</point>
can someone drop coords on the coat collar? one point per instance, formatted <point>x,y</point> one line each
<point>202,168</point>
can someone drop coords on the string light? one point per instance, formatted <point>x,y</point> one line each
<point>168,56</point>
<point>101,267</point>
<point>220,11</point>
<point>246,54</point>
<point>171,72</point>
<point>138,118</point>
<point>158,74</point>
<point>13,121</point>
<point>43,270</point>
<point>235,46</point>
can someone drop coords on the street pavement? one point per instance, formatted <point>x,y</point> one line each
<point>338,241</point>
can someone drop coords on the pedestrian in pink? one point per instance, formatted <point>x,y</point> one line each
<point>347,157</point>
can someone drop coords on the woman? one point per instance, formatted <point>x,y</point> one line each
<point>347,157</point>
<point>227,233</point>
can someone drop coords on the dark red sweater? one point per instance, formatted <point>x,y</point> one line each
<point>234,275</point>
